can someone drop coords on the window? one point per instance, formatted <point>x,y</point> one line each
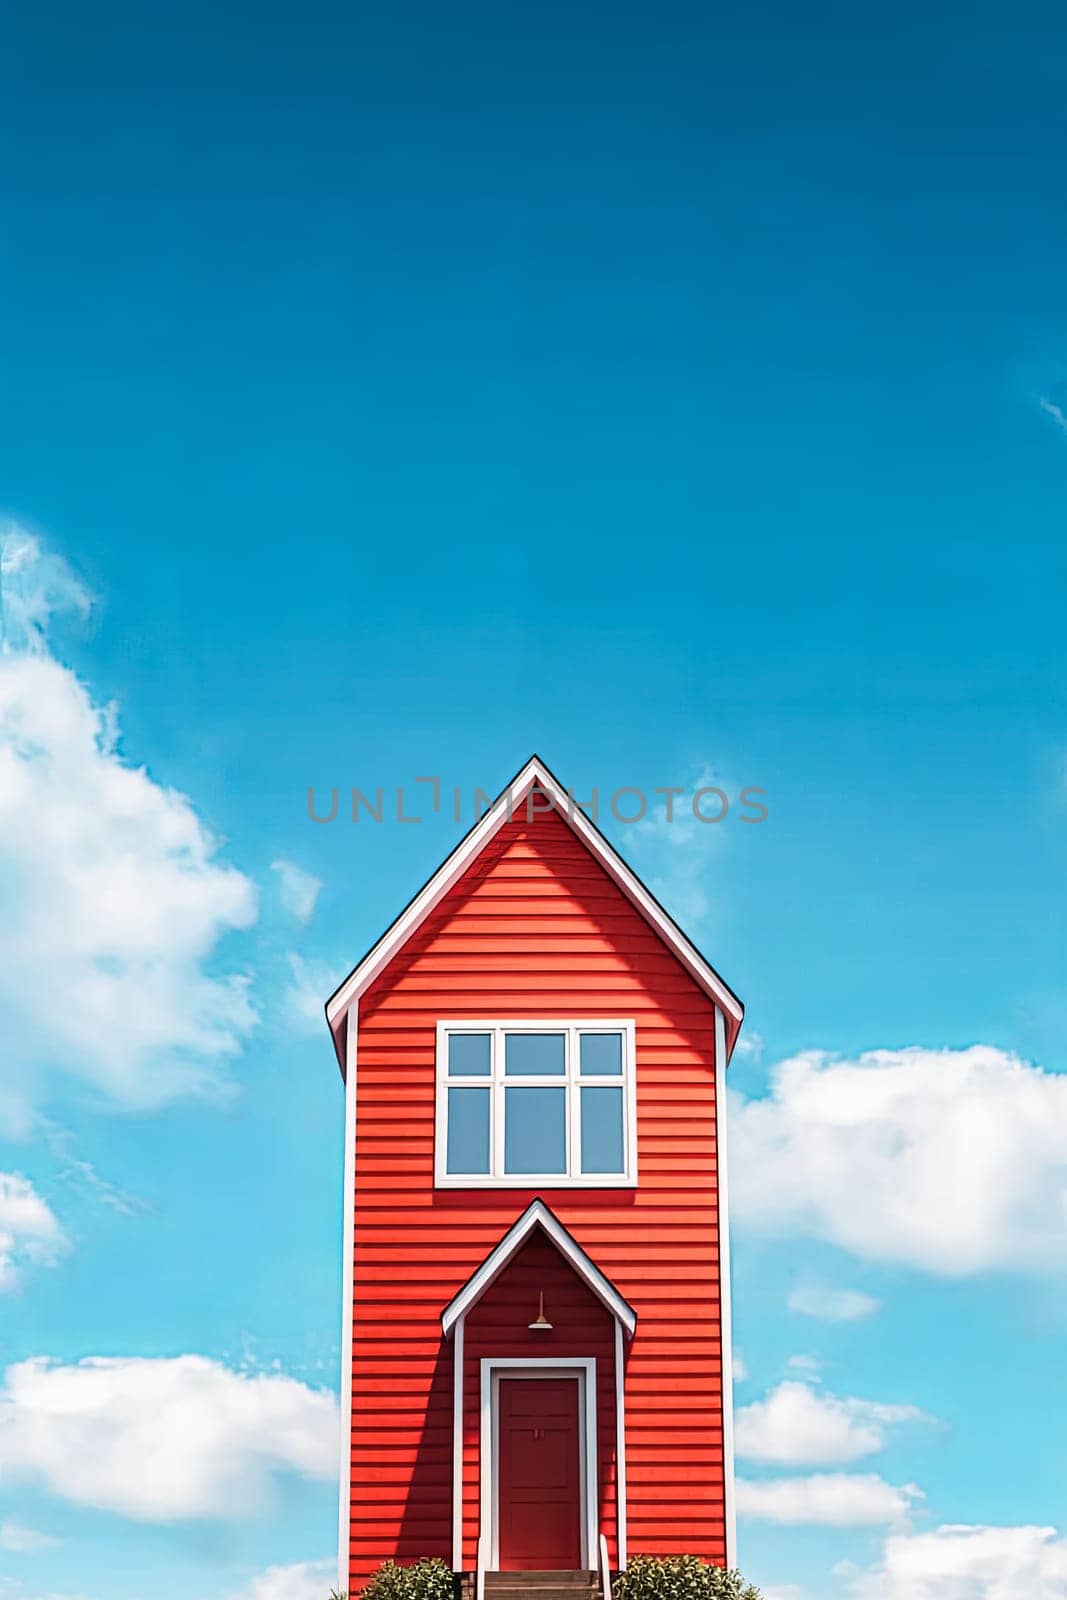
<point>525,1103</point>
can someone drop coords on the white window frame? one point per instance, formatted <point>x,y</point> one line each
<point>571,1082</point>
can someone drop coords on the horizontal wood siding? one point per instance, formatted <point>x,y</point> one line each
<point>534,928</point>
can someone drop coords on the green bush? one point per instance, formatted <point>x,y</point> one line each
<point>679,1578</point>
<point>428,1579</point>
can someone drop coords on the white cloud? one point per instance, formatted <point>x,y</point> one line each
<point>164,1439</point>
<point>749,1046</point>
<point>305,1580</point>
<point>20,1540</point>
<point>83,1177</point>
<point>113,895</point>
<point>14,1589</point>
<point>832,1305</point>
<point>795,1426</point>
<point>810,1364</point>
<point>740,1367</point>
<point>34,587</point>
<point>969,1563</point>
<point>298,889</point>
<point>30,1234</point>
<point>1053,409</point>
<point>950,1160</point>
<point>311,984</point>
<point>828,1499</point>
<point>680,849</point>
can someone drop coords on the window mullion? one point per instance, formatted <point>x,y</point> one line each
<point>497,1110</point>
<point>574,1127</point>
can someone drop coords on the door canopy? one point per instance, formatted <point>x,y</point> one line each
<point>538,1215</point>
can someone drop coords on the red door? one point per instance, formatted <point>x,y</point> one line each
<point>539,1504</point>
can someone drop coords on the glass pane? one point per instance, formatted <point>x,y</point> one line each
<point>602,1130</point>
<point>535,1130</point>
<point>468,1055</point>
<point>601,1054</point>
<point>535,1055</point>
<point>468,1131</point>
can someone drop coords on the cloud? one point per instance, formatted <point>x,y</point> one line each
<point>795,1426</point>
<point>680,849</point>
<point>809,1364</point>
<point>30,1234</point>
<point>34,587</point>
<point>740,1368</point>
<point>829,1499</point>
<point>832,1305</point>
<point>306,1580</point>
<point>20,1540</point>
<point>83,1177</point>
<point>749,1046</point>
<point>298,889</point>
<point>14,1589</point>
<point>162,1440</point>
<point>954,1161</point>
<point>311,984</point>
<point>1053,409</point>
<point>114,898</point>
<point>969,1563</point>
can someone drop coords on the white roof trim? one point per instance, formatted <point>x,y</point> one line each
<point>537,1215</point>
<point>501,810</point>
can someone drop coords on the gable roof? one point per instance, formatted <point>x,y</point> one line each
<point>514,794</point>
<point>538,1215</point>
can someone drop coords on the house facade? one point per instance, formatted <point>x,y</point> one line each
<point>536,1344</point>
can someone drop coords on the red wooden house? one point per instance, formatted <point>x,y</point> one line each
<point>536,1352</point>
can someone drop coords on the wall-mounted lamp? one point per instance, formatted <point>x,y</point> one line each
<point>542,1324</point>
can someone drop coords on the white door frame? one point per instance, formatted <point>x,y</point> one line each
<point>583,1369</point>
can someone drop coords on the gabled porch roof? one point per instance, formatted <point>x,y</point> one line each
<point>538,1215</point>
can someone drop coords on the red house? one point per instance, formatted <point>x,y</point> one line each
<point>536,1344</point>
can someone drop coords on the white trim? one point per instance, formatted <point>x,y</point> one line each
<point>537,1215</point>
<point>605,1570</point>
<point>725,1322</point>
<point>570,1080</point>
<point>620,1451</point>
<point>534,773</point>
<point>457,1448</point>
<point>347,1306</point>
<point>584,1370</point>
<point>479,1571</point>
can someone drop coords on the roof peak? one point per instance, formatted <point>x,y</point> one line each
<point>538,1215</point>
<point>533,772</point>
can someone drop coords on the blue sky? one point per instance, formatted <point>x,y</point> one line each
<point>673,394</point>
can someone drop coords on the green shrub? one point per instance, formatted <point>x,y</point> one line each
<point>428,1579</point>
<point>679,1578</point>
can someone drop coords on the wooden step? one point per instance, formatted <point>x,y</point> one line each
<point>582,1575</point>
<point>540,1585</point>
<point>539,1580</point>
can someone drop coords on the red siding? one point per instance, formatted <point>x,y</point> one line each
<point>534,928</point>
